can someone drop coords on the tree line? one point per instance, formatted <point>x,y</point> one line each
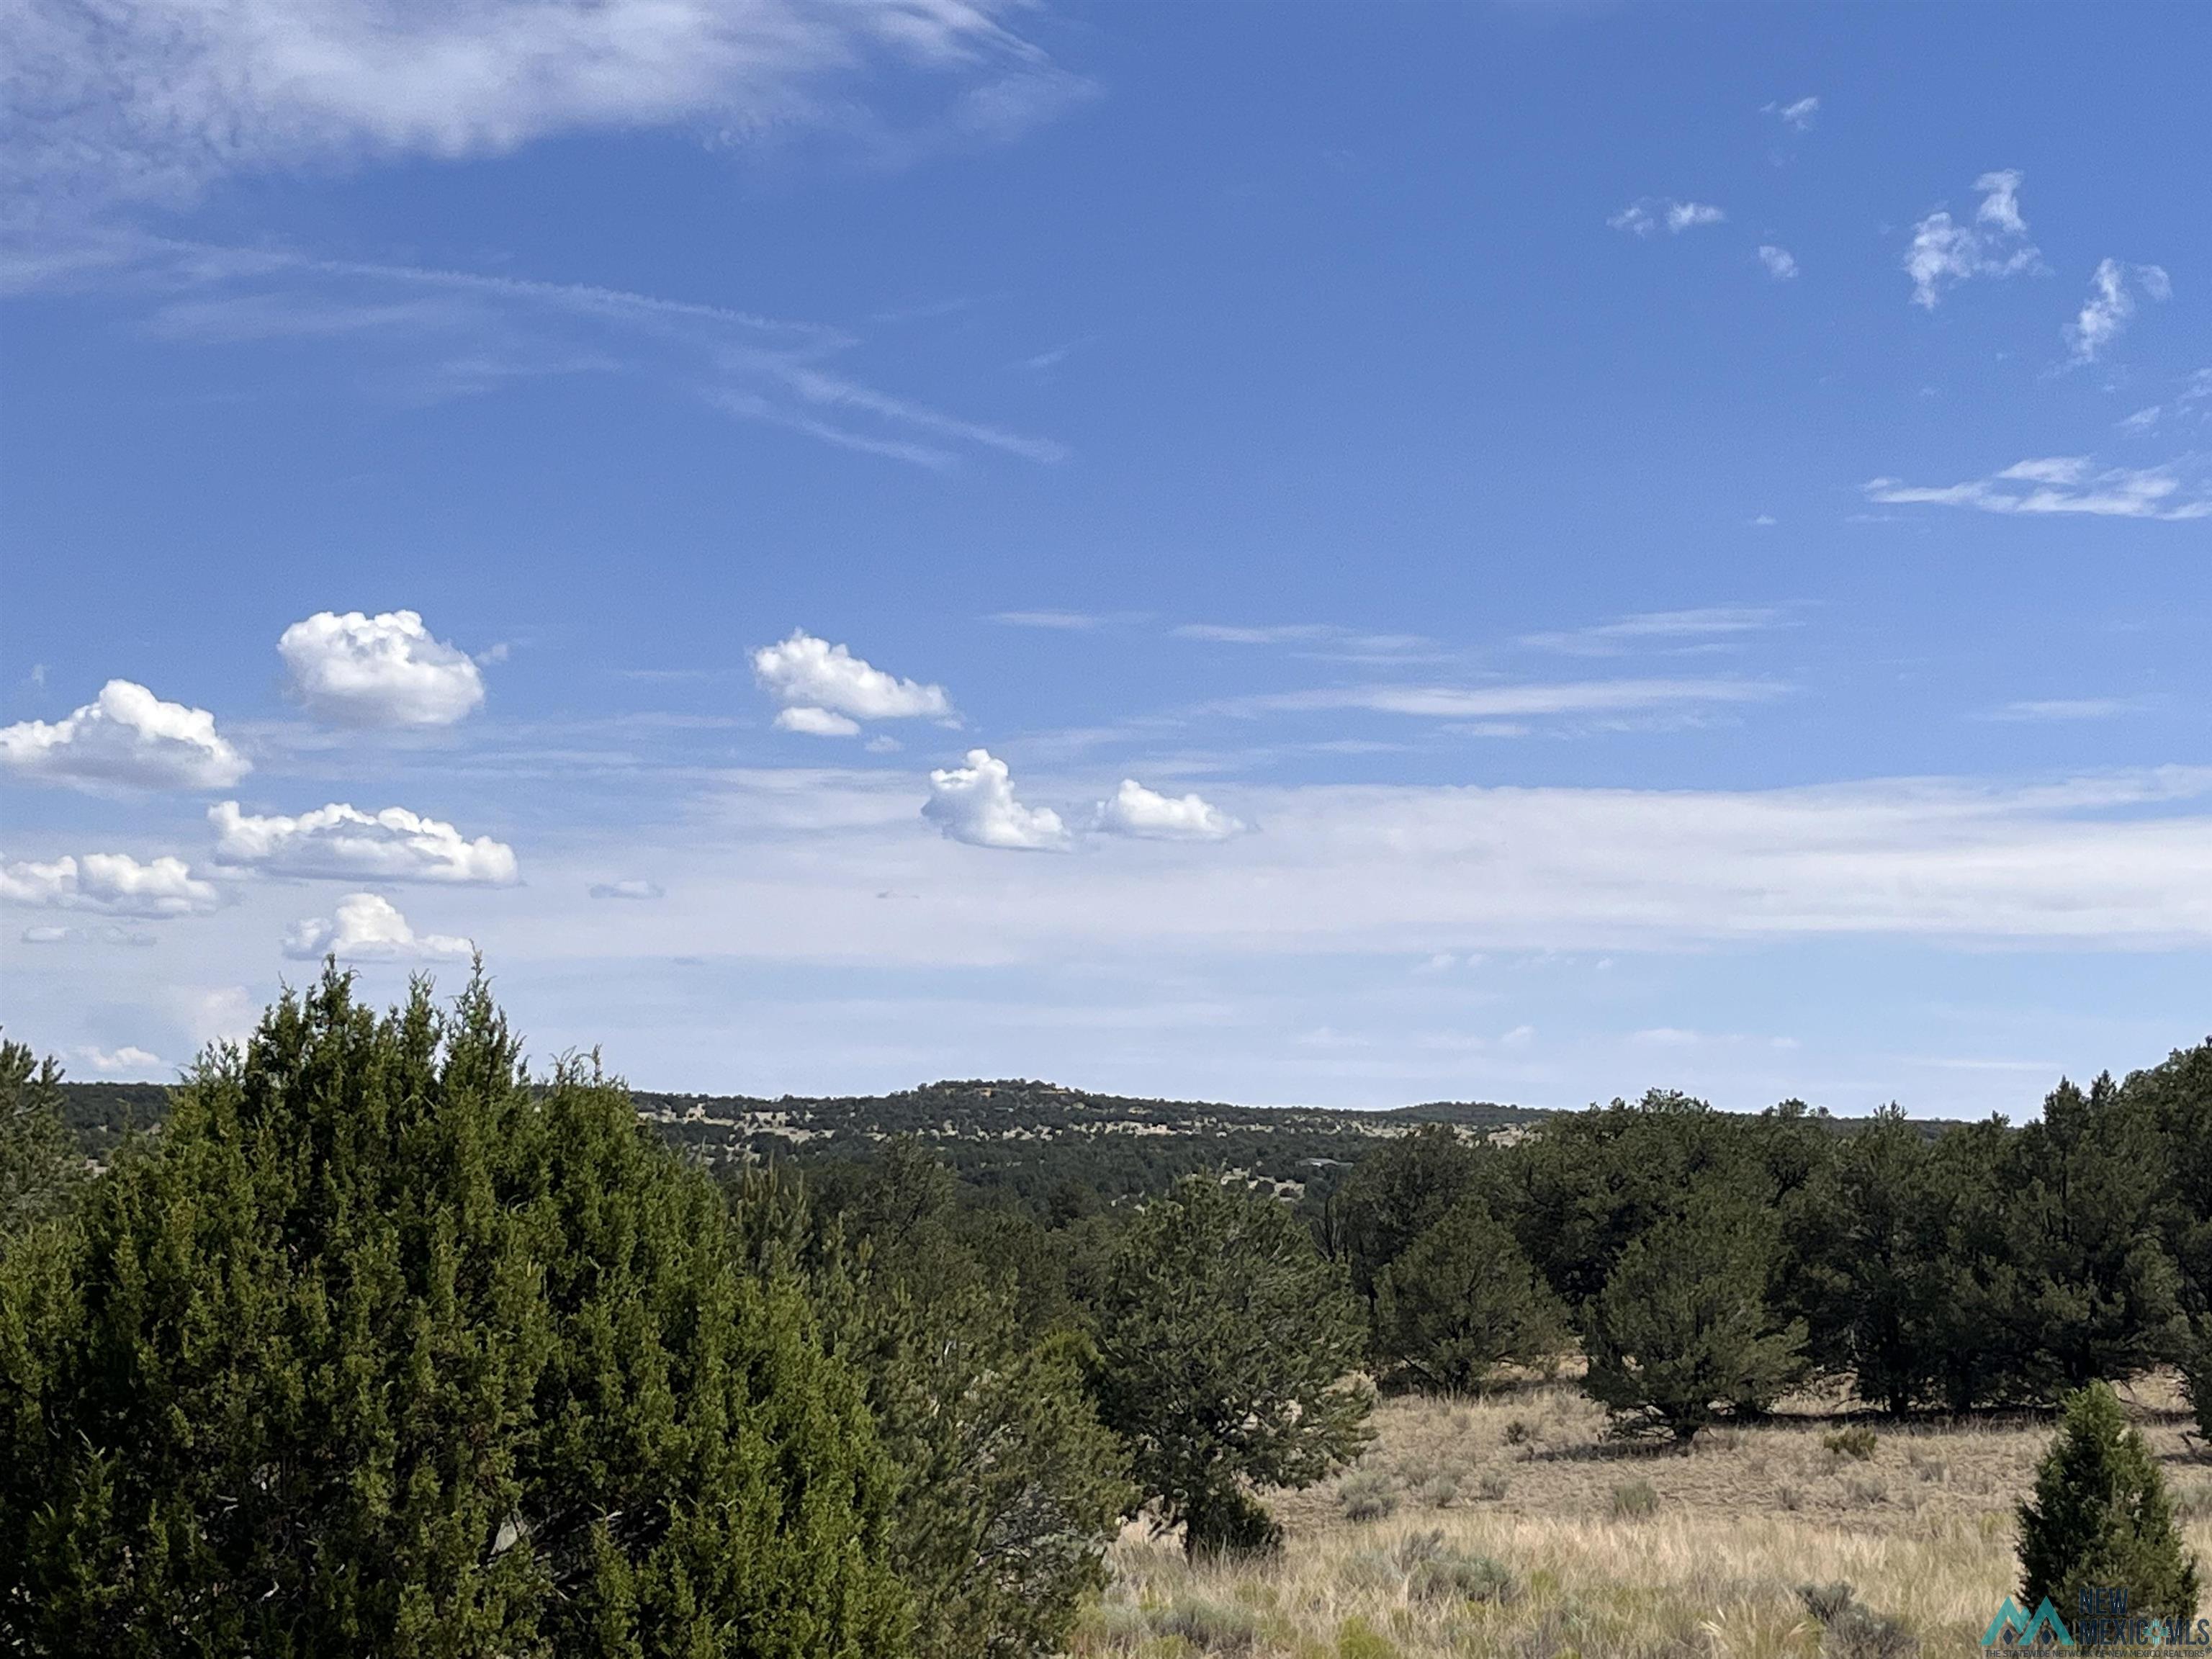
<point>384,1344</point>
<point>1707,1263</point>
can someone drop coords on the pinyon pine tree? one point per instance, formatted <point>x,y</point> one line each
<point>381,1349</point>
<point>1226,1346</point>
<point>1682,1333</point>
<point>2101,1518</point>
<point>1463,1301</point>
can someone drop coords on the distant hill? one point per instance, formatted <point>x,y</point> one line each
<point>101,1114</point>
<point>1030,1136</point>
<point>1036,1138</point>
<point>1042,1142</point>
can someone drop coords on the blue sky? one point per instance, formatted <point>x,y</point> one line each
<point>1327,554</point>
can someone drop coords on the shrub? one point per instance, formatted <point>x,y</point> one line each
<point>1634,1500</point>
<point>1518,1432</point>
<point>1848,1630</point>
<point>1230,1523</point>
<point>1368,1495</point>
<point>2101,1518</point>
<point>1493,1486</point>
<point>1857,1441</point>
<point>1211,1627</point>
<point>1438,1491</point>
<point>1437,1572</point>
<point>1357,1639</point>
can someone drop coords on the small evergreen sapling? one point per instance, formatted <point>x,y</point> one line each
<point>2101,1518</point>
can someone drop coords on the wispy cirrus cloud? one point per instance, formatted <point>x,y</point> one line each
<point>1066,622</point>
<point>1331,639</point>
<point>2112,303</point>
<point>2116,860</point>
<point>1945,253</point>
<point>2061,484</point>
<point>1698,626</point>
<point>153,99</point>
<point>2039,709</point>
<point>1798,114</point>
<point>1534,700</point>
<point>1653,214</point>
<point>430,334</point>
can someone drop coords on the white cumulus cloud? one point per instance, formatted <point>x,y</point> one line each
<point>126,737</point>
<point>385,670</point>
<point>128,1058</point>
<point>338,840</point>
<point>803,672</point>
<point>1136,810</point>
<point>2111,302</point>
<point>816,723</point>
<point>1944,253</point>
<point>1780,264</point>
<point>975,804</point>
<point>112,883</point>
<point>367,927</point>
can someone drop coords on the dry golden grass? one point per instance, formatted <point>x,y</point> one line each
<point>1702,1562</point>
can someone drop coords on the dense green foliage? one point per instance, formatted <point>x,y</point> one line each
<point>1225,1347</point>
<point>379,1344</point>
<point>1682,1332</point>
<point>1985,1265</point>
<point>39,1163</point>
<point>2101,1518</point>
<point>1008,1488</point>
<point>379,1350</point>
<point>1462,1302</point>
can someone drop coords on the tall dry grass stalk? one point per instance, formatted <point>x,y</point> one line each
<point>1709,1569</point>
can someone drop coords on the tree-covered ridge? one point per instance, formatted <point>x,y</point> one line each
<point>1034,1140</point>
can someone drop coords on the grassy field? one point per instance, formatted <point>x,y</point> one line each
<point>1512,1527</point>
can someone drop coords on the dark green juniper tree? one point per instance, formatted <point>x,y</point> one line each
<point>1462,1302</point>
<point>40,1165</point>
<point>1682,1332</point>
<point>380,1349</point>
<point>1227,1348</point>
<point>2101,1518</point>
